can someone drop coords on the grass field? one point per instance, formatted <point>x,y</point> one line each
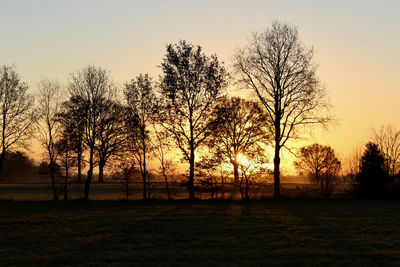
<point>271,232</point>
<point>115,191</point>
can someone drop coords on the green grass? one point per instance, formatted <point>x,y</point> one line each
<point>285,232</point>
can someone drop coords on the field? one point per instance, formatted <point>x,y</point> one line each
<point>115,191</point>
<point>247,233</point>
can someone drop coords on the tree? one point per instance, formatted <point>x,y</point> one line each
<point>238,127</point>
<point>207,167</point>
<point>190,85</point>
<point>321,163</point>
<point>352,167</point>
<point>17,114</point>
<point>373,178</point>
<point>279,69</point>
<point>47,124</point>
<point>250,168</point>
<point>161,146</point>
<point>91,87</point>
<point>141,106</point>
<point>72,116</point>
<point>111,133</point>
<point>388,140</point>
<point>65,148</point>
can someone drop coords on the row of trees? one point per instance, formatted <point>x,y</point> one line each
<point>372,172</point>
<point>186,108</point>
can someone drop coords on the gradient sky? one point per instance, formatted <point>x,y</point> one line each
<point>357,45</point>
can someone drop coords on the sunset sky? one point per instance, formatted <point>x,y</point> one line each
<point>357,45</point>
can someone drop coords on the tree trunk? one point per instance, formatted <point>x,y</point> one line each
<point>2,157</point>
<point>222,187</point>
<point>127,187</point>
<point>166,183</point>
<point>247,189</point>
<point>236,171</point>
<point>101,172</point>
<point>3,143</point>
<point>89,175</point>
<point>240,188</point>
<point>66,183</point>
<point>191,174</point>
<point>277,161</point>
<point>53,179</point>
<point>79,166</point>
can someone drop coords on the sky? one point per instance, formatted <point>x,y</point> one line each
<point>356,42</point>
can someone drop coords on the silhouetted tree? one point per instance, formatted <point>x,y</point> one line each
<point>111,133</point>
<point>279,69</point>
<point>250,168</point>
<point>18,165</point>
<point>238,127</point>
<point>190,84</point>
<point>207,167</point>
<point>161,147</point>
<point>16,111</point>
<point>373,177</point>
<point>91,86</point>
<point>321,163</point>
<point>388,140</point>
<point>141,106</point>
<point>65,149</point>
<point>47,124</point>
<point>72,116</point>
<point>352,168</point>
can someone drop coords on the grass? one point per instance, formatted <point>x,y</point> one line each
<point>284,232</point>
<point>115,191</point>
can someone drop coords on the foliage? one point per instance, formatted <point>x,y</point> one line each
<point>238,127</point>
<point>18,165</point>
<point>373,179</point>
<point>72,117</point>
<point>190,85</point>
<point>141,111</point>
<point>321,163</point>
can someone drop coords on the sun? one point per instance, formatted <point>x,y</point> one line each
<point>242,159</point>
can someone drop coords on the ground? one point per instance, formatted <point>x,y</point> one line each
<point>269,232</point>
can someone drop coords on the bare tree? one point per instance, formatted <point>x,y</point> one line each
<point>91,87</point>
<point>16,111</point>
<point>321,163</point>
<point>111,133</point>
<point>351,167</point>
<point>161,147</point>
<point>190,85</point>
<point>72,116</point>
<point>207,167</point>
<point>65,149</point>
<point>47,124</point>
<point>279,69</point>
<point>388,140</point>
<point>141,105</point>
<point>250,168</point>
<point>238,127</point>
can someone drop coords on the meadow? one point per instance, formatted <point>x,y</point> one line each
<point>204,232</point>
<point>117,191</point>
